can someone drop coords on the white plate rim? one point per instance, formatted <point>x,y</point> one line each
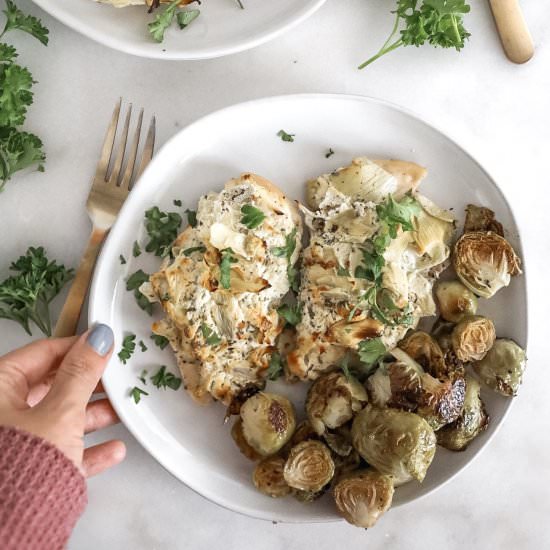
<point>180,55</point>
<point>92,317</point>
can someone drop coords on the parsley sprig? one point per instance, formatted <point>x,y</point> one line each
<point>159,340</point>
<point>18,149</point>
<point>25,297</point>
<point>438,22</point>
<point>162,229</point>
<point>292,314</point>
<point>210,337</point>
<point>128,348</point>
<point>133,283</point>
<point>252,217</point>
<point>275,368</point>
<point>164,19</point>
<point>165,379</point>
<point>136,394</point>
<point>225,267</point>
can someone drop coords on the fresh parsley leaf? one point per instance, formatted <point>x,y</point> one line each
<point>373,264</point>
<point>16,19</point>
<point>329,153</point>
<point>128,348</point>
<point>133,283</point>
<point>191,217</point>
<point>286,137</point>
<point>287,252</point>
<point>371,351</point>
<point>16,95</point>
<point>185,18</point>
<point>136,393</point>
<point>163,379</point>
<point>162,229</point>
<point>252,216</point>
<point>136,250</point>
<point>142,345</point>
<point>122,259</point>
<point>7,53</point>
<point>210,337</point>
<point>142,376</point>
<point>177,202</point>
<point>26,295</point>
<point>18,150</point>
<point>438,22</point>
<point>225,267</point>
<point>291,314</point>
<point>275,368</point>
<point>189,251</point>
<point>160,341</point>
<point>395,214</point>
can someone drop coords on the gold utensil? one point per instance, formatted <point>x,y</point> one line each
<point>110,187</point>
<point>512,28</point>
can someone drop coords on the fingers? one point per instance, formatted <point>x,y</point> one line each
<point>99,414</point>
<point>82,368</point>
<point>100,457</point>
<point>28,365</point>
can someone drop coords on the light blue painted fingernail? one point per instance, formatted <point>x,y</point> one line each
<point>101,339</point>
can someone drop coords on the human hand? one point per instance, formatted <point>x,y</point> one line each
<point>56,407</point>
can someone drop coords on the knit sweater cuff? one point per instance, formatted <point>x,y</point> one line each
<point>42,493</point>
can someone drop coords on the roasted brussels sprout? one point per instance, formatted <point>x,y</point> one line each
<point>472,420</point>
<point>339,440</point>
<point>455,300</point>
<point>309,466</point>
<point>303,432</point>
<point>345,464</point>
<point>362,497</point>
<point>332,400</point>
<point>421,347</point>
<point>268,422</point>
<point>396,443</point>
<point>479,218</point>
<point>484,262</point>
<point>238,436</point>
<point>473,337</point>
<point>503,366</point>
<point>268,477</point>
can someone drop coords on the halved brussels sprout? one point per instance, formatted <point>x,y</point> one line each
<point>484,262</point>
<point>303,432</point>
<point>309,466</point>
<point>238,437</point>
<point>503,366</point>
<point>396,443</point>
<point>455,300</point>
<point>343,465</point>
<point>473,337</point>
<point>472,420</point>
<point>268,477</point>
<point>332,400</point>
<point>362,497</point>
<point>421,347</point>
<point>339,440</point>
<point>479,218</point>
<point>268,422</point>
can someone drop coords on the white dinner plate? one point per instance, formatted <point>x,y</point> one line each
<point>221,29</point>
<point>191,441</point>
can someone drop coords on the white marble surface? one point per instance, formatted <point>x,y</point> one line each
<point>500,112</point>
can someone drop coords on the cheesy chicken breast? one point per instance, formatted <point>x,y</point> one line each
<point>376,248</point>
<point>223,283</point>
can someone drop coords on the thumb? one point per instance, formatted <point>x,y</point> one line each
<point>82,367</point>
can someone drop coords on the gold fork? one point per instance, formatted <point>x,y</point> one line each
<point>109,191</point>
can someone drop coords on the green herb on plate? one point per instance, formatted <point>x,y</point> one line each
<point>191,217</point>
<point>252,217</point>
<point>164,19</point>
<point>189,251</point>
<point>160,341</point>
<point>142,376</point>
<point>276,367</point>
<point>136,393</point>
<point>122,259</point>
<point>177,202</point>
<point>133,283</point>
<point>291,314</point>
<point>142,346</point>
<point>210,337</point>
<point>329,153</point>
<point>136,249</point>
<point>286,137</point>
<point>128,348</point>
<point>164,379</point>
<point>225,267</point>
<point>162,229</point>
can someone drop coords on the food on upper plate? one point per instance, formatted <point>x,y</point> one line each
<point>455,300</point>
<point>149,3</point>
<point>473,337</point>
<point>376,249</point>
<point>268,477</point>
<point>222,284</point>
<point>309,466</point>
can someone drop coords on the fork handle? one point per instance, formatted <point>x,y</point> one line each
<point>70,314</point>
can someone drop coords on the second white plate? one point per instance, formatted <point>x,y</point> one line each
<point>191,441</point>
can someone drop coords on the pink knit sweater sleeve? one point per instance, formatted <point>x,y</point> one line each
<point>42,493</point>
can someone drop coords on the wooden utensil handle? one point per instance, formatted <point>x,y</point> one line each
<point>514,34</point>
<point>70,314</point>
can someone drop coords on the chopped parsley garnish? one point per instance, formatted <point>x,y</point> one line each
<point>276,367</point>
<point>162,229</point>
<point>142,376</point>
<point>142,345</point>
<point>287,251</point>
<point>438,22</point>
<point>136,250</point>
<point>164,19</point>
<point>133,283</point>
<point>189,251</point>
<point>371,351</point>
<point>290,313</point>
<point>26,295</point>
<point>160,341</point>
<point>210,337</point>
<point>329,153</point>
<point>342,272</point>
<point>252,216</point>
<point>286,137</point>
<point>177,202</point>
<point>163,379</point>
<point>136,393</point>
<point>191,217</point>
<point>128,348</point>
<point>225,267</point>
<point>122,259</point>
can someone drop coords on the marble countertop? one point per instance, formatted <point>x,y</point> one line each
<point>498,111</point>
